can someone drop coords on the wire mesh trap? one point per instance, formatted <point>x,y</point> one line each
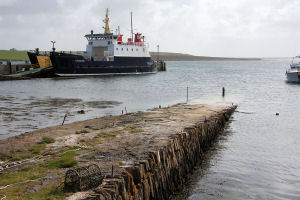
<point>83,178</point>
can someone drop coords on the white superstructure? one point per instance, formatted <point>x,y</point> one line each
<point>106,46</point>
<point>293,73</point>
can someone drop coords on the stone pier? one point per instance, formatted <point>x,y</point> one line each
<point>157,160</point>
<point>142,155</point>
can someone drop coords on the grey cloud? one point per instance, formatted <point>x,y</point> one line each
<point>200,27</point>
<point>31,7</point>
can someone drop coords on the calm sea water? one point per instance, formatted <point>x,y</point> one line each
<point>257,156</point>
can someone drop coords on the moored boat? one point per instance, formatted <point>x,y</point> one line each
<point>106,54</point>
<point>293,73</point>
<point>38,60</point>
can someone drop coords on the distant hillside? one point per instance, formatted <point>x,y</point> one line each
<point>167,56</point>
<point>22,55</point>
<point>13,55</point>
<point>187,57</point>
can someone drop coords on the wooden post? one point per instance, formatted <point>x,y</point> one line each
<point>64,119</point>
<point>9,66</point>
<point>187,94</point>
<point>223,92</point>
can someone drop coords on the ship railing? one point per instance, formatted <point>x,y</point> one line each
<point>133,43</point>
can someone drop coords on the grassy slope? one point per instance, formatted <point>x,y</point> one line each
<point>187,57</point>
<point>167,56</point>
<point>13,55</point>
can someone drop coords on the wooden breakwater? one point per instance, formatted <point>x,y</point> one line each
<point>159,171</point>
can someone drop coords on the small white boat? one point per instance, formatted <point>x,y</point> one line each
<point>293,73</point>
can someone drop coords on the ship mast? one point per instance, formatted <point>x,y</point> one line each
<point>107,30</point>
<point>131,27</point>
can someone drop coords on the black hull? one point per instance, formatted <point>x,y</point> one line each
<point>75,65</point>
<point>33,59</point>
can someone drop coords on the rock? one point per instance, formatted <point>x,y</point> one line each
<point>81,112</point>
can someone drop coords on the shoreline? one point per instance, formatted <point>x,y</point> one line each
<point>116,144</point>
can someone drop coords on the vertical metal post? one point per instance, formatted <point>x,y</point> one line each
<point>223,92</point>
<point>53,42</point>
<point>131,27</point>
<point>157,52</point>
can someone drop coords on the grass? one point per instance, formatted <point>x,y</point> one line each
<point>108,136</point>
<point>115,132</point>
<point>22,156</point>
<point>35,172</point>
<point>66,161</point>
<point>63,151</point>
<point>94,128</point>
<point>49,192</point>
<point>106,126</point>
<point>48,140</point>
<point>27,173</point>
<point>82,131</point>
<point>133,129</point>
<point>92,141</point>
<point>4,156</point>
<point>13,55</point>
<point>101,137</point>
<point>75,148</point>
<point>36,149</point>
<point>16,192</point>
<point>29,153</point>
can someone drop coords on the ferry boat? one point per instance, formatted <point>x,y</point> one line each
<point>293,73</point>
<point>38,60</point>
<point>106,54</point>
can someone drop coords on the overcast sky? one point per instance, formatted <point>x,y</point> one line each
<point>231,28</point>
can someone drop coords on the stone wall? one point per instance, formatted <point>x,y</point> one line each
<point>6,69</point>
<point>159,173</point>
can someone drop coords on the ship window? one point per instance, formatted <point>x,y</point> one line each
<point>131,49</point>
<point>122,49</point>
<point>137,49</point>
<point>90,43</point>
<point>127,49</point>
<point>117,49</point>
